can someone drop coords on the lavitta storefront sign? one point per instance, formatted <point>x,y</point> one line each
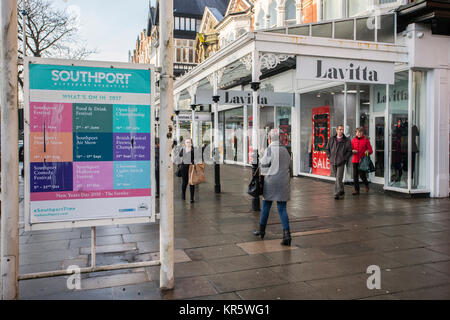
<point>344,70</point>
<point>241,98</point>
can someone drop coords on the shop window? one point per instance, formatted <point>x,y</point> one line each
<point>321,111</point>
<point>284,126</point>
<point>398,135</point>
<point>234,126</point>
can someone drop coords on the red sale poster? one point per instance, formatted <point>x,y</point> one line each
<point>321,135</point>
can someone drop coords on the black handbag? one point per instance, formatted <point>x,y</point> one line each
<point>178,172</point>
<point>256,186</point>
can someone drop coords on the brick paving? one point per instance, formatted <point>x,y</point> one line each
<point>217,256</point>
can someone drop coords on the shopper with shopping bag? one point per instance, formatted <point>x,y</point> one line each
<point>361,148</point>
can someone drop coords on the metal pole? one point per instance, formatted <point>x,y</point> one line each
<point>9,148</point>
<point>255,87</point>
<point>216,99</point>
<point>166,165</point>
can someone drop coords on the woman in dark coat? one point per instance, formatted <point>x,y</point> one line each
<point>275,169</point>
<point>187,156</point>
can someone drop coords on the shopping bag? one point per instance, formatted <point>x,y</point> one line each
<point>256,186</point>
<point>197,174</point>
<point>366,165</point>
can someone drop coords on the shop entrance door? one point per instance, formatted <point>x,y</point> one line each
<point>377,140</point>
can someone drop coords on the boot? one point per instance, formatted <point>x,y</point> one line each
<point>261,232</point>
<point>286,238</point>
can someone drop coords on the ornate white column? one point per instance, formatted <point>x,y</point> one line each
<point>298,11</point>
<point>281,13</point>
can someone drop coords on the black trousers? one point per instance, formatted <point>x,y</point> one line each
<point>357,174</point>
<point>185,182</point>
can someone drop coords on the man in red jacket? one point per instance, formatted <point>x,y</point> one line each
<point>360,146</point>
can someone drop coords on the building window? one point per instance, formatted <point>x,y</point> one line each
<point>198,25</point>
<point>290,10</point>
<point>273,14</point>
<point>192,24</point>
<point>185,51</point>
<point>260,20</point>
<point>177,23</point>
<point>357,7</point>
<point>182,27</point>
<point>332,9</point>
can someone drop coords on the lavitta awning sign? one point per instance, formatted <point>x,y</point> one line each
<point>344,70</point>
<point>241,98</point>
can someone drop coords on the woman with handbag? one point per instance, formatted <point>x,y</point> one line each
<point>187,156</point>
<point>275,166</point>
<point>361,147</point>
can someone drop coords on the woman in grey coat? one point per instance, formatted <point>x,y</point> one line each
<point>275,169</point>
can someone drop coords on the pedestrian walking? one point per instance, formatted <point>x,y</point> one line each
<point>274,166</point>
<point>360,147</point>
<point>187,158</point>
<point>339,151</point>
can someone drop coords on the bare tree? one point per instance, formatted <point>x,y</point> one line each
<point>50,32</point>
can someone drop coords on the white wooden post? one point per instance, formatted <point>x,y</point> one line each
<point>9,155</point>
<point>166,163</point>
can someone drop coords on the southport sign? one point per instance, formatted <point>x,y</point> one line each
<point>344,70</point>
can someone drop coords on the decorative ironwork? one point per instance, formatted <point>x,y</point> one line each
<point>247,62</point>
<point>271,60</point>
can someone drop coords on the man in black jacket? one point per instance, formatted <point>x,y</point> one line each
<point>339,151</point>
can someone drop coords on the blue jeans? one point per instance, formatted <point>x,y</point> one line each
<point>281,211</point>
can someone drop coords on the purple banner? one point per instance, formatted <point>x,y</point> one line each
<point>51,177</point>
<point>131,146</point>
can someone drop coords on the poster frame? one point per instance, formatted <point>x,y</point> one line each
<point>89,222</point>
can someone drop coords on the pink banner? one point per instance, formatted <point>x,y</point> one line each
<point>50,117</point>
<point>50,196</point>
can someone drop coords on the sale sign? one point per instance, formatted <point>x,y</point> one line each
<point>89,141</point>
<point>321,135</point>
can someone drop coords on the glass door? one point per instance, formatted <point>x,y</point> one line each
<point>377,140</point>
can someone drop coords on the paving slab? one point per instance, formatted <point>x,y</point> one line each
<point>258,247</point>
<point>113,280</point>
<point>291,291</point>
<point>416,256</point>
<point>215,252</point>
<point>242,280</point>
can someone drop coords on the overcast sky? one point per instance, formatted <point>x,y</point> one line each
<point>111,26</point>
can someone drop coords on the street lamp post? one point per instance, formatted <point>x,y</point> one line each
<point>217,186</point>
<point>9,150</point>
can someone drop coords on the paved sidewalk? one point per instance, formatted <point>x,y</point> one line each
<point>217,257</point>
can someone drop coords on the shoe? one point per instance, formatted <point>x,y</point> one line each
<point>192,201</point>
<point>355,193</point>
<point>261,232</point>
<point>367,189</point>
<point>336,197</point>
<point>342,193</point>
<point>286,238</point>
